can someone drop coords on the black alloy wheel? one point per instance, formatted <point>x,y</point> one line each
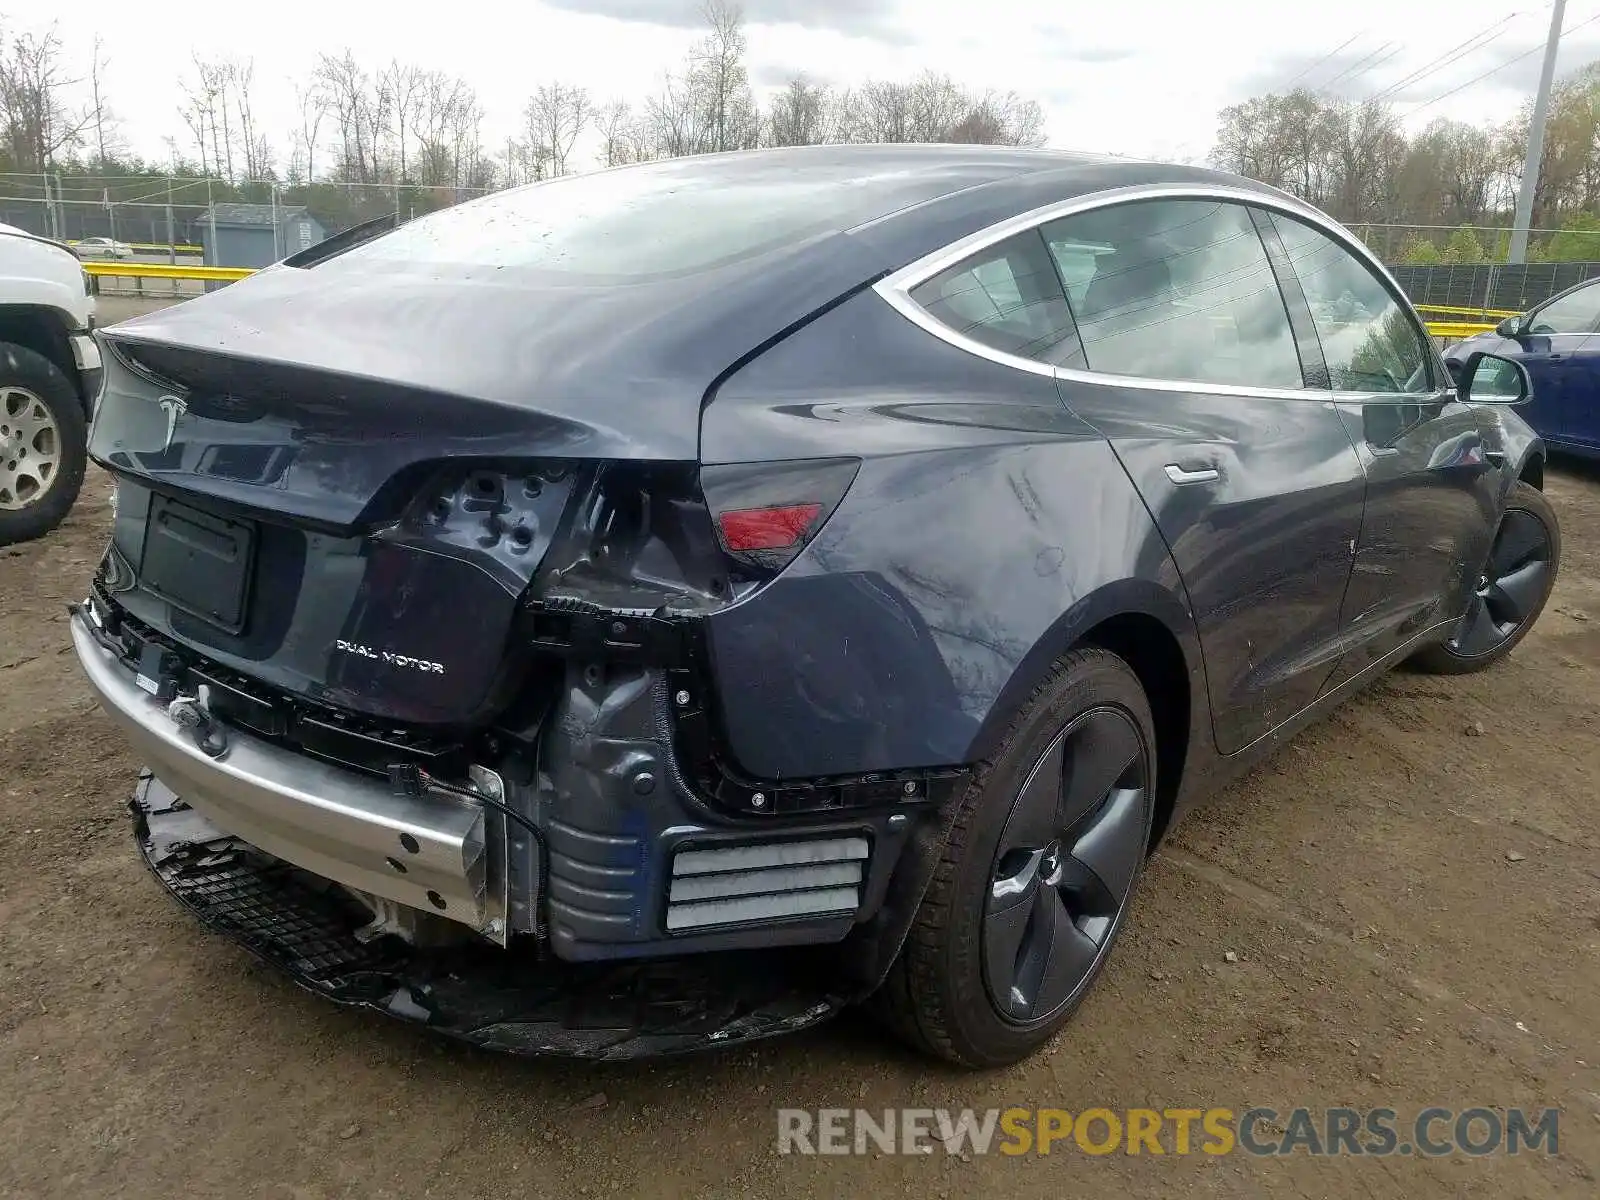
<point>1512,587</point>
<point>1510,590</point>
<point>1065,865</point>
<point>1044,853</point>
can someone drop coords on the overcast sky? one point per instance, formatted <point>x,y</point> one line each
<point>1135,77</point>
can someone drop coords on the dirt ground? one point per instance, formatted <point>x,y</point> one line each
<point>1410,893</point>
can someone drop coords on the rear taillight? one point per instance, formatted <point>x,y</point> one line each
<point>765,513</point>
<point>778,528</point>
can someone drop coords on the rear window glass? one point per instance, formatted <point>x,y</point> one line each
<point>654,220</point>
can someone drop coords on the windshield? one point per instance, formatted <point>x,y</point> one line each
<point>655,220</point>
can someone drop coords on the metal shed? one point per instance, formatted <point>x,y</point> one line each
<point>243,235</point>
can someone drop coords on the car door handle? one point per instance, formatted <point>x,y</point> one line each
<point>1192,474</point>
<point>1557,357</point>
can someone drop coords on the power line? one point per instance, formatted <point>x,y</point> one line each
<point>1306,71</point>
<point>1496,70</point>
<point>1368,70</point>
<point>1451,55</point>
<point>1329,83</point>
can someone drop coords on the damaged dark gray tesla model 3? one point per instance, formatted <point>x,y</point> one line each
<point>656,609</point>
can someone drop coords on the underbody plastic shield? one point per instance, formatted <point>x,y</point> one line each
<point>510,1002</point>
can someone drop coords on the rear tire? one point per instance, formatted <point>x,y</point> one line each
<point>1514,584</point>
<point>1016,923</point>
<point>43,444</point>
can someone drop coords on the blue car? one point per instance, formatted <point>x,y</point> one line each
<point>1558,345</point>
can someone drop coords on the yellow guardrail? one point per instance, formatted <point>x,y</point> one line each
<point>1458,329</point>
<point>132,270</point>
<point>1499,314</point>
<point>153,247</point>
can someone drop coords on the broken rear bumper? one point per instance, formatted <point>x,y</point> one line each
<point>432,853</point>
<point>475,993</point>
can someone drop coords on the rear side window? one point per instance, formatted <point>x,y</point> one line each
<point>1077,262</point>
<point>1176,289</point>
<point>1370,342</point>
<point>1007,297</point>
<point>1576,313</point>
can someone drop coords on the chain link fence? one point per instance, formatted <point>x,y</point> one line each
<point>153,211</point>
<point>1488,288</point>
<point>168,219</point>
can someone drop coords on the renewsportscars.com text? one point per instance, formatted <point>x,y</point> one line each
<point>1263,1132</point>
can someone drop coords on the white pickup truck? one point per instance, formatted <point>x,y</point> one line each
<point>49,376</point>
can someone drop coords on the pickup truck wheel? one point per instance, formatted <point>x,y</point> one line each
<point>1043,855</point>
<point>43,444</point>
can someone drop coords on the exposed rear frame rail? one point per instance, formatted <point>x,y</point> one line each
<point>677,646</point>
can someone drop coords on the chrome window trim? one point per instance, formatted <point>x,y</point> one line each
<point>1435,396</point>
<point>1107,379</point>
<point>896,287</point>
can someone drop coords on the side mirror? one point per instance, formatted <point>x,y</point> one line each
<point>1490,379</point>
<point>1511,326</point>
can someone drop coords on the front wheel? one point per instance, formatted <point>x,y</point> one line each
<point>1046,846</point>
<point>1511,590</point>
<point>43,444</point>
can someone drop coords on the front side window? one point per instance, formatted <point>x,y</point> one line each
<point>1007,297</point>
<point>1179,290</point>
<point>1574,313</point>
<point>1369,340</point>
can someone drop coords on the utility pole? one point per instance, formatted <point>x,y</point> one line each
<point>211,207</point>
<point>1541,110</point>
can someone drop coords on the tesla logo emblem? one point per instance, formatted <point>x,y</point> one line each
<point>174,408</point>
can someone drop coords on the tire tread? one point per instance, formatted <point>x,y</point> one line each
<point>913,1001</point>
<point>22,367</point>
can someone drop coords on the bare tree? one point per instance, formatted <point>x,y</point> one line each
<point>343,85</point>
<point>619,134</point>
<point>719,83</point>
<point>378,114</point>
<point>38,121</point>
<point>999,120</point>
<point>935,108</point>
<point>671,121</point>
<point>193,113</point>
<point>937,105</point>
<point>205,113</point>
<point>312,107</point>
<point>1368,148</point>
<point>406,86</point>
<point>1341,156</point>
<point>107,134</point>
<point>556,114</point>
<point>223,74</point>
<point>881,112</point>
<point>803,114</point>
<point>257,150</point>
